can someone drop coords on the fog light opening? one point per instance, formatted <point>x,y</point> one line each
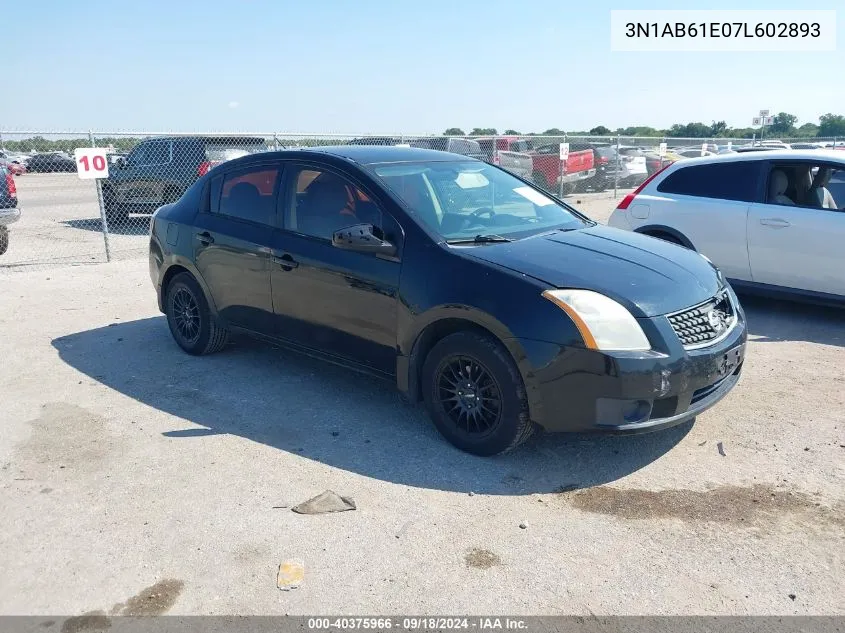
<point>636,411</point>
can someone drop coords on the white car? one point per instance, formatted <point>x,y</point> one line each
<point>771,221</point>
<point>632,166</point>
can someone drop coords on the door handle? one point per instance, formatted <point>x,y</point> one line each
<point>776,223</point>
<point>286,262</point>
<point>205,238</point>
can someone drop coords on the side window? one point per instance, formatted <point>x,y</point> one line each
<point>137,155</point>
<point>158,153</point>
<point>722,181</point>
<point>813,185</point>
<point>322,203</point>
<point>248,194</point>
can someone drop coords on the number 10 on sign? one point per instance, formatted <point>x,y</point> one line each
<point>91,163</point>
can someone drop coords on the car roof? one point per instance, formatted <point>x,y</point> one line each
<point>361,154</point>
<point>214,138</point>
<point>774,154</point>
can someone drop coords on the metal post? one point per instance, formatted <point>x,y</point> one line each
<point>560,177</point>
<point>834,142</point>
<point>616,172</point>
<point>101,204</point>
<point>495,150</point>
<point>275,142</point>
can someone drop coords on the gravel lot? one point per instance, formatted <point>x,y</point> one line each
<point>137,479</point>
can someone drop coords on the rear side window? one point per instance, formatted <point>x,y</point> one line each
<point>723,181</point>
<point>248,194</point>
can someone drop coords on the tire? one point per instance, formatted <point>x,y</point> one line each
<point>540,180</point>
<point>171,194</point>
<point>667,237</point>
<point>599,183</point>
<point>4,239</point>
<point>475,428</point>
<point>115,215</point>
<point>567,188</point>
<point>185,298</point>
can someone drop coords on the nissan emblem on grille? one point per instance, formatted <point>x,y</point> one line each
<point>704,323</point>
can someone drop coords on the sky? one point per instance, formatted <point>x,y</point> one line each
<point>382,66</point>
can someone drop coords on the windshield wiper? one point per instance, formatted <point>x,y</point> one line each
<point>480,239</point>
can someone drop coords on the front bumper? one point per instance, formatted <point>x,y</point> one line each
<point>576,389</point>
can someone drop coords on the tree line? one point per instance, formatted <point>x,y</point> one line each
<point>783,125</point>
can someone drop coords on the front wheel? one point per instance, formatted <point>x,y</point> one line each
<point>189,318</point>
<point>4,239</point>
<point>474,394</point>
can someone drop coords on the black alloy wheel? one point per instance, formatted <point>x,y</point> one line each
<point>474,394</point>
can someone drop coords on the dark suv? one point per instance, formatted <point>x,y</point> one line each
<point>158,170</point>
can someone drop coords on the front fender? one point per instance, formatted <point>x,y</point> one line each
<point>414,340</point>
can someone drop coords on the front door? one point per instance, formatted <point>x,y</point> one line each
<point>232,244</point>
<point>795,237</point>
<point>338,302</point>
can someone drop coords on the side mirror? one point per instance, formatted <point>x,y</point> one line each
<point>360,238</point>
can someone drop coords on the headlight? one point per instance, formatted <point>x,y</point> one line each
<point>603,323</point>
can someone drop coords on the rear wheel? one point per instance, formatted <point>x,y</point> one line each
<point>171,194</point>
<point>667,237</point>
<point>540,180</point>
<point>115,215</point>
<point>189,318</point>
<point>474,394</point>
<point>4,239</point>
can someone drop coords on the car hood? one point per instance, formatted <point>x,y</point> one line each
<point>647,275</point>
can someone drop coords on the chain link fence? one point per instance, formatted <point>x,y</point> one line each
<point>62,220</point>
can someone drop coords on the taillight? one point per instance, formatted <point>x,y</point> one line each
<point>204,168</point>
<point>603,160</point>
<point>10,185</point>
<point>627,200</point>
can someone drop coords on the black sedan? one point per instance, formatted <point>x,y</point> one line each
<point>51,162</point>
<point>500,307</point>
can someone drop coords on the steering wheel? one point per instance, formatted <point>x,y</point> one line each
<point>482,211</point>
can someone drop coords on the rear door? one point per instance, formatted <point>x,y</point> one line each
<point>232,243</point>
<point>709,205</point>
<point>800,246</point>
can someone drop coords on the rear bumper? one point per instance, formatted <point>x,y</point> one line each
<point>579,175</point>
<point>576,389</point>
<point>8,216</point>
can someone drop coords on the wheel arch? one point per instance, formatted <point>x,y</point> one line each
<point>182,265</point>
<point>654,230</point>
<point>449,321</point>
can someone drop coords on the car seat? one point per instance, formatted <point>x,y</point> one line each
<point>778,182</point>
<point>246,198</point>
<point>819,194</point>
<point>321,215</point>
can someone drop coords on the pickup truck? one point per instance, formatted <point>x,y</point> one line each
<point>9,211</point>
<point>580,165</point>
<point>510,153</point>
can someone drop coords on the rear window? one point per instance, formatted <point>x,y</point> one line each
<point>723,181</point>
<point>248,194</point>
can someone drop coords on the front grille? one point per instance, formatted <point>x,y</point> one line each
<point>704,323</point>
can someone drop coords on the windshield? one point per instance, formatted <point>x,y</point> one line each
<point>462,200</point>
